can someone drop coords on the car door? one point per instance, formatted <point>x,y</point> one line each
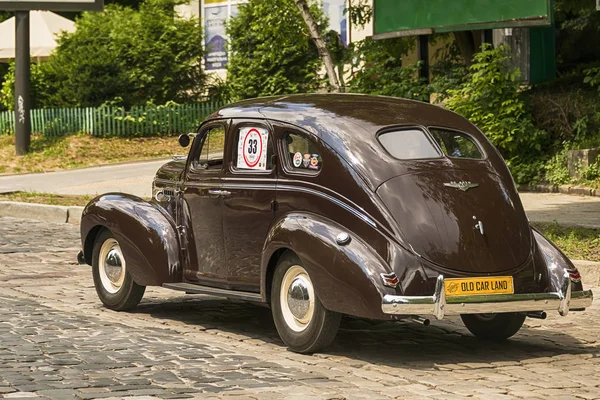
<point>249,187</point>
<point>202,207</point>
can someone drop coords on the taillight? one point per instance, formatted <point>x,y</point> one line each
<point>390,280</point>
<point>574,275</point>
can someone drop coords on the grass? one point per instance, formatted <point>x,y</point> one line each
<point>577,243</point>
<point>76,151</point>
<point>46,198</point>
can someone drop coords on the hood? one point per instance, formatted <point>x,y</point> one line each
<point>482,230</point>
<point>171,171</point>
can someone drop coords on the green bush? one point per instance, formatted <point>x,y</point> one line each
<point>380,70</point>
<point>591,173</point>
<point>150,55</point>
<point>556,170</point>
<point>492,99</point>
<point>271,50</point>
<point>39,88</point>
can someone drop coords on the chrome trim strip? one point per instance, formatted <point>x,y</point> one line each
<point>338,202</point>
<point>439,305</point>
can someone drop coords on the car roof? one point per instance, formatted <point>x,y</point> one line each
<point>349,123</point>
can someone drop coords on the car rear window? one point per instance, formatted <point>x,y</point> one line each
<point>408,144</point>
<point>455,144</point>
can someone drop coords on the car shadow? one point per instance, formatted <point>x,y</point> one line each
<point>389,343</point>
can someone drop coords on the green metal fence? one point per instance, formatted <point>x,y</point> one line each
<point>114,121</point>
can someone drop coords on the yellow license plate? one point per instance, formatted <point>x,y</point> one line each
<point>476,286</point>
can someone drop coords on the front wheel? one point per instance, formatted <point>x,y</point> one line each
<point>114,285</point>
<point>495,327</point>
<point>303,323</point>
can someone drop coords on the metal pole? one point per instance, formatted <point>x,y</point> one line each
<point>423,54</point>
<point>22,83</point>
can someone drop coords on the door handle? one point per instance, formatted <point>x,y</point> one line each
<point>216,192</point>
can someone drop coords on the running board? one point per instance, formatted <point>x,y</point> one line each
<point>192,288</point>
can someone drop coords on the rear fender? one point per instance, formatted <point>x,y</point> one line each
<point>557,264</point>
<point>346,277</point>
<point>145,232</point>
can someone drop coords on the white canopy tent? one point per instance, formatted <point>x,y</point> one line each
<point>44,27</point>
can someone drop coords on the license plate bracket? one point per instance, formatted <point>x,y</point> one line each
<point>478,286</point>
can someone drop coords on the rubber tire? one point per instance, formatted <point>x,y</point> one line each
<point>321,330</point>
<point>128,296</point>
<point>499,328</point>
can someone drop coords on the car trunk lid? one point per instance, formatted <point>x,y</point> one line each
<point>479,228</point>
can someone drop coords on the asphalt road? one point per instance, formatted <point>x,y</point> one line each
<point>136,178</point>
<point>58,342</point>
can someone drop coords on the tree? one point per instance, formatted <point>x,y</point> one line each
<point>271,51</point>
<point>324,53</point>
<point>150,55</point>
<point>379,69</point>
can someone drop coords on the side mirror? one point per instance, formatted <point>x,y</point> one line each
<point>184,140</point>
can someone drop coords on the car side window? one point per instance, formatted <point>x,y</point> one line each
<point>455,144</point>
<point>252,149</point>
<point>408,144</point>
<point>302,154</point>
<point>212,148</point>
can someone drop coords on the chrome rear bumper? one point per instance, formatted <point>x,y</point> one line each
<point>439,305</point>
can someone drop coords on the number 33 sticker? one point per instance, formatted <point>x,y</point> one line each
<point>252,148</point>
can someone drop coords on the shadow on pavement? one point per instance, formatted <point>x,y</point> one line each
<point>388,343</point>
<point>585,213</point>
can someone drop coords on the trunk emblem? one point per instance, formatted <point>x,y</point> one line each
<point>462,185</point>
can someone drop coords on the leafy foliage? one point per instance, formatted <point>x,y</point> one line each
<point>150,55</point>
<point>380,70</point>
<point>39,90</point>
<point>491,98</point>
<point>360,12</point>
<point>556,169</point>
<point>271,50</point>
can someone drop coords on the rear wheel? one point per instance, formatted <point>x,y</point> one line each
<point>303,323</point>
<point>114,285</point>
<point>495,327</point>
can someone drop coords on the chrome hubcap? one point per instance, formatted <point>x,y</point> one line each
<point>112,266</point>
<point>297,298</point>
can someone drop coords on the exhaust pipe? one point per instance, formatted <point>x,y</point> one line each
<point>537,314</point>
<point>420,320</point>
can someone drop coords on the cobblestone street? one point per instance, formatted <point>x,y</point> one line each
<point>58,342</point>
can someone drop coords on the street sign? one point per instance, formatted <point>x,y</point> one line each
<point>393,18</point>
<point>51,5</point>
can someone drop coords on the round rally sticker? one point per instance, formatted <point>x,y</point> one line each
<point>297,159</point>
<point>252,148</point>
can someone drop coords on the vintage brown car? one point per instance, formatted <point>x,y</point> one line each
<point>327,205</point>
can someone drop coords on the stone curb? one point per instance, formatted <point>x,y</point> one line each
<point>42,212</point>
<point>564,189</point>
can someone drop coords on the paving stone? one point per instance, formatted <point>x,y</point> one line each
<point>56,339</point>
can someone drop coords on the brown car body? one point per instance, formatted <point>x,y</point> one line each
<point>400,217</point>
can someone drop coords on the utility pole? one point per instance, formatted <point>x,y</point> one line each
<point>22,83</point>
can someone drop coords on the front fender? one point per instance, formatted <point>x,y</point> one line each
<point>145,232</point>
<point>346,277</point>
